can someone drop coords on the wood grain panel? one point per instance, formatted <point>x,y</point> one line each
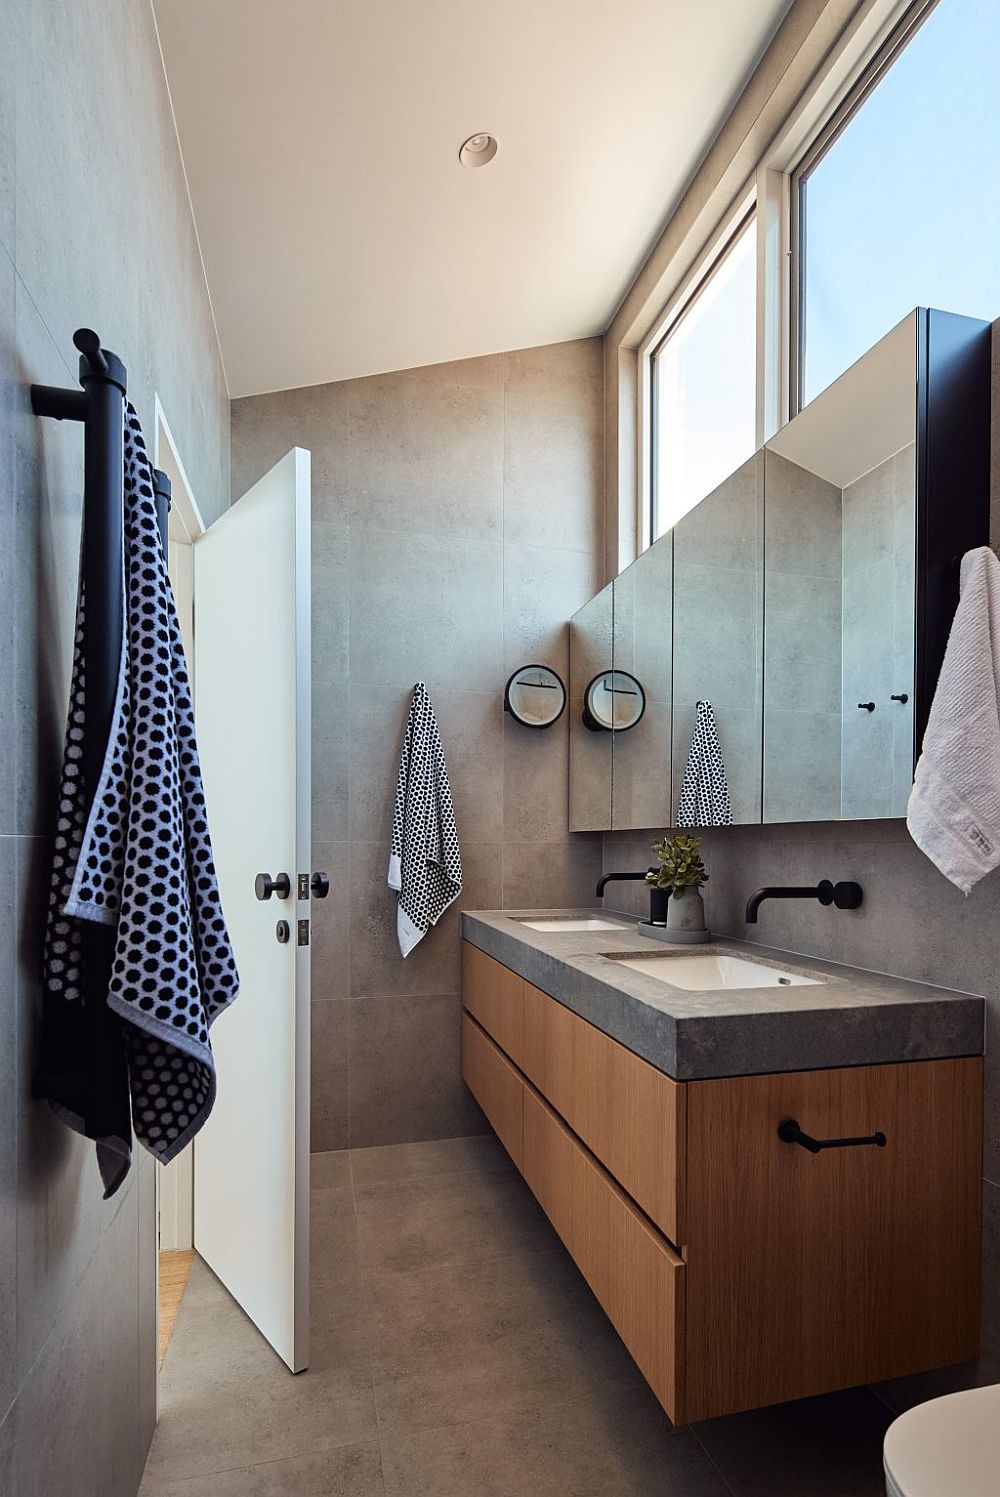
<point>496,1086</point>
<point>634,1274</point>
<point>811,1272</point>
<point>628,1113</point>
<point>494,996</point>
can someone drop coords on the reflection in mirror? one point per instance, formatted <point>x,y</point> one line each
<point>839,671</point>
<point>718,632</point>
<point>590,636</point>
<point>614,702</point>
<point>643,615</point>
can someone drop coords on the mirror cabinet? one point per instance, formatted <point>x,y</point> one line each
<point>808,598</point>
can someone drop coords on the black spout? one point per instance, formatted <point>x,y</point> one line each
<point>610,878</point>
<point>846,896</point>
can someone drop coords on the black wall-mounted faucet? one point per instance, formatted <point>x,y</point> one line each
<point>613,878</point>
<point>657,897</point>
<point>846,896</point>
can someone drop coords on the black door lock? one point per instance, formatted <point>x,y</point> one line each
<point>282,932</point>
<point>264,886</point>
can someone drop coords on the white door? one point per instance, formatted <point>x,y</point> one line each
<point>253,713</point>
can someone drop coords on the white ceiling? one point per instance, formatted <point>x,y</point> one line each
<point>341,236</point>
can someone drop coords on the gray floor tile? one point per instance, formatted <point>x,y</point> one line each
<point>227,1400</point>
<point>480,1341</point>
<point>476,1375</point>
<point>443,1220</point>
<point>481,1154</point>
<point>354,1471</point>
<point>555,1450</point>
<point>816,1447</point>
<point>331,1169</point>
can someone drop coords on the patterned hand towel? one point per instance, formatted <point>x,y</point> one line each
<point>953,814</point>
<point>425,864</point>
<point>705,790</point>
<point>138,863</point>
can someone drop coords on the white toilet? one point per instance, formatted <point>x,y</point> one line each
<point>949,1447</point>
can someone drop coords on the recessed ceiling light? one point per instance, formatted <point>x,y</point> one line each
<point>478,149</point>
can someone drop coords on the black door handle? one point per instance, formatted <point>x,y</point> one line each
<point>790,1133</point>
<point>264,886</point>
<point>320,885</point>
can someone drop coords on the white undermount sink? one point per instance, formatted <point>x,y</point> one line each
<point>711,971</point>
<point>572,925</point>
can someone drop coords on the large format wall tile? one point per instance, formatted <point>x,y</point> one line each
<point>406,1082</point>
<point>551,875</point>
<point>8,118</point>
<point>87,1445</point>
<point>48,457</point>
<point>331,922</point>
<point>542,589</point>
<point>92,132</point>
<point>554,446</point>
<point>8,1139</point>
<point>8,553</point>
<point>426,449</point>
<point>102,237</point>
<point>265,427</point>
<point>535,782</point>
<point>425,609</point>
<point>329,1091</point>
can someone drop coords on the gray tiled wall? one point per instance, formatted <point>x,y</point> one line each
<point>95,230</point>
<point>457,523</point>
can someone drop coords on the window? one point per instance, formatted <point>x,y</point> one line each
<point>899,205</point>
<point>703,387</point>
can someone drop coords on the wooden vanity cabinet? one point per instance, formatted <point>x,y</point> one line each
<point>741,1270</point>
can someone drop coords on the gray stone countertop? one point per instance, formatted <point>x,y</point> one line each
<point>852,1018</point>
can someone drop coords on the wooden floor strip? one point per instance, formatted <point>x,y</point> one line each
<point>175,1266</point>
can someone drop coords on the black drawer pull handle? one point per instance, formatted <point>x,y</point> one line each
<point>790,1133</point>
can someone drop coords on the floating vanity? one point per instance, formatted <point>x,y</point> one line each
<point>741,1267</point>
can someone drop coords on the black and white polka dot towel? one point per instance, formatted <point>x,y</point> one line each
<point>139,859</point>
<point>705,790</point>
<point>425,864</point>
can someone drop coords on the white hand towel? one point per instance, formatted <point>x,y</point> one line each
<point>705,790</point>
<point>425,864</point>
<point>953,813</point>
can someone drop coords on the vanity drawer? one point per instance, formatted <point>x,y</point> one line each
<point>809,1271</point>
<point>635,1275</point>
<point>496,1086</point>
<point>494,996</point>
<point>627,1112</point>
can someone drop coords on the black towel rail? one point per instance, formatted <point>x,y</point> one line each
<point>83,1057</point>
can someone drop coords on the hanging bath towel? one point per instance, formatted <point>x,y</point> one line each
<point>953,814</point>
<point>704,790</point>
<point>425,864</point>
<point>137,863</point>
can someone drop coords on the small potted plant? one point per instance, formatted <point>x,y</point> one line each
<point>680,875</point>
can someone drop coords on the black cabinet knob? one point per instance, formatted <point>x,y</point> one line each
<point>264,886</point>
<point>320,885</point>
<point>866,706</point>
